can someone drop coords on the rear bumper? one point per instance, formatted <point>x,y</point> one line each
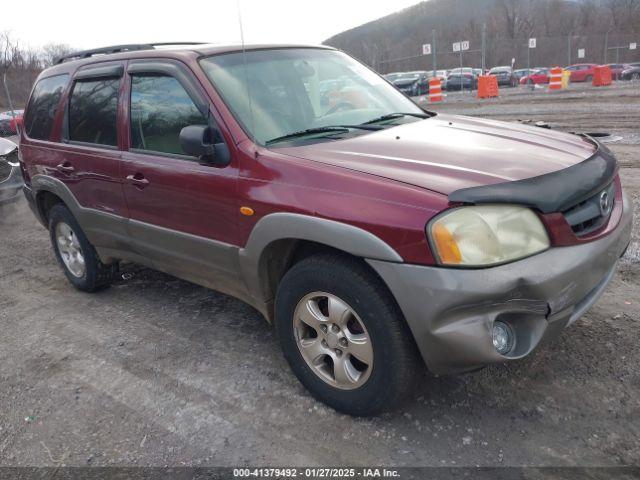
<point>451,311</point>
<point>10,188</point>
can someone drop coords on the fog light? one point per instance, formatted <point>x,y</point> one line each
<point>503,338</point>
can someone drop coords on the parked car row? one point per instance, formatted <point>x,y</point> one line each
<point>415,83</point>
<point>466,78</point>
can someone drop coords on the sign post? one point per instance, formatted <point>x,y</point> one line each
<point>532,44</point>
<point>460,47</point>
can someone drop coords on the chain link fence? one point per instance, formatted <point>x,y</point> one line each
<point>486,52</point>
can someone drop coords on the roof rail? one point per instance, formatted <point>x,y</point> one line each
<point>118,49</point>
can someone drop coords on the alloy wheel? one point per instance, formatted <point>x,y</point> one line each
<point>333,340</point>
<point>70,250</point>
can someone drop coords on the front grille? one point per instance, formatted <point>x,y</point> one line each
<point>591,214</point>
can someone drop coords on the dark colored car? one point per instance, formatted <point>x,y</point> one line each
<point>376,236</point>
<point>538,76</point>
<point>10,175</point>
<point>410,83</point>
<point>631,73</point>
<point>505,76</point>
<point>583,72</point>
<point>617,69</point>
<point>462,79</point>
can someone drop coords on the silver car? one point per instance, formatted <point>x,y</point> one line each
<point>10,174</point>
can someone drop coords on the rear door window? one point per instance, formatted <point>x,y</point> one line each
<point>160,109</point>
<point>43,106</point>
<point>93,110</point>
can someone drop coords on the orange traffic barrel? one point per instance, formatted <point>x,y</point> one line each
<point>555,79</point>
<point>602,77</point>
<point>488,86</point>
<point>435,90</point>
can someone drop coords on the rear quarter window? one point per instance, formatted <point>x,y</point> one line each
<point>93,109</point>
<point>43,106</point>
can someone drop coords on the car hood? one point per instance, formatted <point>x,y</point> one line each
<point>446,153</point>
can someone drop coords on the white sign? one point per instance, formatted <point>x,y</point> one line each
<point>456,47</point>
<point>426,49</point>
<point>581,53</point>
<point>465,46</point>
<point>532,43</point>
<point>633,46</point>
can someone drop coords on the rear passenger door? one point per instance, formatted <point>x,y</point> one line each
<point>91,147</point>
<point>183,214</point>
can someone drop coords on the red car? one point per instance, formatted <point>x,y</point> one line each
<point>536,77</point>
<point>583,72</point>
<point>375,236</point>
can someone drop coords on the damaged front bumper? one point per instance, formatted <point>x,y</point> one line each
<point>451,312</point>
<point>11,186</point>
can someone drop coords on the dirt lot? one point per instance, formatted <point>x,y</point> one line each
<point>156,371</point>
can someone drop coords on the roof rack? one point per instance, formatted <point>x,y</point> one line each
<point>118,49</point>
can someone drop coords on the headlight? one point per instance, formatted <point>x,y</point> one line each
<point>486,235</point>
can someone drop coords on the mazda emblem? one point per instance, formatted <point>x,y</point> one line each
<point>605,203</point>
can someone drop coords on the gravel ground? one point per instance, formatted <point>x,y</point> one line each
<point>155,371</point>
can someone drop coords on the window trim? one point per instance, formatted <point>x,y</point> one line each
<point>172,69</point>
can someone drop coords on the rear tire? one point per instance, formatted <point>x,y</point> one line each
<point>75,254</point>
<point>319,358</point>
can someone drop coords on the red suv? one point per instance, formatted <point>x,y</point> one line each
<point>374,235</point>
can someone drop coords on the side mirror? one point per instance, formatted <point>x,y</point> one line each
<point>197,140</point>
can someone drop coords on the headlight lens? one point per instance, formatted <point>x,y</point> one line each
<point>487,235</point>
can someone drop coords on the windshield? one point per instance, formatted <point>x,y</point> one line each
<point>283,91</point>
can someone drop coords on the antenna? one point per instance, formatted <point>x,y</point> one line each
<point>246,76</point>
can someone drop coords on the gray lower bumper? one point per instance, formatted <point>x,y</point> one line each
<point>11,187</point>
<point>451,311</point>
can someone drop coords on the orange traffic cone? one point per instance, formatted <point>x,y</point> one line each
<point>435,90</point>
<point>555,79</point>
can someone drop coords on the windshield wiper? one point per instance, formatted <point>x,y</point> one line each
<point>308,131</point>
<point>327,129</point>
<point>392,116</point>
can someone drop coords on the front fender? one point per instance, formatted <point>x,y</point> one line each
<point>283,226</point>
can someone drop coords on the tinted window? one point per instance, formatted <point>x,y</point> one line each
<point>43,106</point>
<point>160,109</point>
<point>93,110</point>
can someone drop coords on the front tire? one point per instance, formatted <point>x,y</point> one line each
<point>75,254</point>
<point>344,336</point>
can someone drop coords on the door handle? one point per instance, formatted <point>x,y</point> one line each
<point>138,180</point>
<point>65,168</point>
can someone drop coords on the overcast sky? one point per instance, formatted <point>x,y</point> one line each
<point>90,24</point>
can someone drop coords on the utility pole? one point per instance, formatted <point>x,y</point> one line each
<point>606,46</point>
<point>569,48</point>
<point>435,49</point>
<point>484,47</point>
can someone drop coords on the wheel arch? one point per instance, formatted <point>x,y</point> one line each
<point>279,240</point>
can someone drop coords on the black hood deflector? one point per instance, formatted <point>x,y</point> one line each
<point>552,192</point>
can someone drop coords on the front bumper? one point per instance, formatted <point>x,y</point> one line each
<point>451,311</point>
<point>11,187</point>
